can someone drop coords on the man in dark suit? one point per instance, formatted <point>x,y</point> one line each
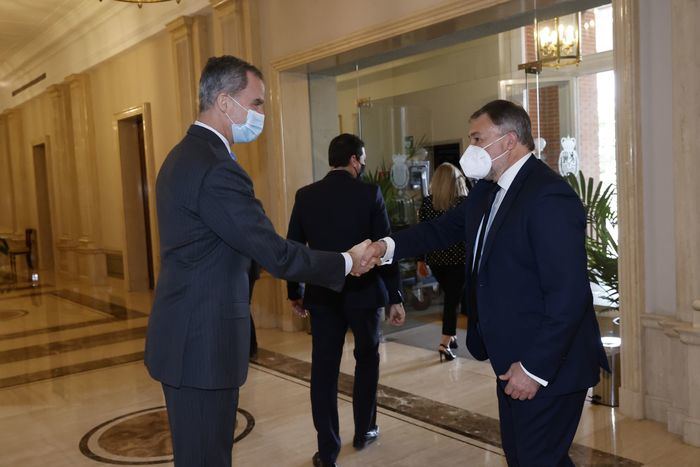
<point>531,309</point>
<point>330,215</point>
<point>211,226</point>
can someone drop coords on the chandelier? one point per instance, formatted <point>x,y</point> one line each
<point>557,43</point>
<point>141,2</point>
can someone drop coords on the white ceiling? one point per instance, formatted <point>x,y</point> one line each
<point>62,37</point>
<point>23,20</point>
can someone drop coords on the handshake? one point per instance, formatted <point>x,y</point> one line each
<point>366,255</point>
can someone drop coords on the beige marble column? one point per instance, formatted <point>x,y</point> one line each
<point>181,41</point>
<point>630,203</point>
<point>201,46</point>
<point>64,179</point>
<point>686,127</point>
<point>91,258</point>
<point>20,174</point>
<point>8,219</point>
<point>235,23</point>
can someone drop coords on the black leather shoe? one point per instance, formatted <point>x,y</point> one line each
<point>360,442</point>
<point>319,463</point>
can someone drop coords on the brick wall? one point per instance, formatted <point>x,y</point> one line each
<point>549,122</point>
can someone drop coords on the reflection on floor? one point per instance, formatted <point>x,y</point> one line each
<point>74,391</point>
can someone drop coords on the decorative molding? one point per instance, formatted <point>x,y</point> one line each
<point>375,33</point>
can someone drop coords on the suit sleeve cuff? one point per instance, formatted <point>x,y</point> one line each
<point>542,382</point>
<point>348,262</point>
<point>388,257</point>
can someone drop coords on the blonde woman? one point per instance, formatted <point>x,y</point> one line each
<point>447,190</point>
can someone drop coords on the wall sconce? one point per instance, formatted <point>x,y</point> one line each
<point>557,43</point>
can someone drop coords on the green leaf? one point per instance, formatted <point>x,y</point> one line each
<point>601,245</point>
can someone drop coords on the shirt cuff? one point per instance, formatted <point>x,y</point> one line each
<point>539,380</point>
<point>388,257</point>
<point>348,262</point>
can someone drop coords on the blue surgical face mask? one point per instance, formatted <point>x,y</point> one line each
<point>251,129</point>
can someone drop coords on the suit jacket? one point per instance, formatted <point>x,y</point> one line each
<point>533,295</point>
<point>334,214</point>
<point>211,226</point>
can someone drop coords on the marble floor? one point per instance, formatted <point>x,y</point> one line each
<point>74,392</point>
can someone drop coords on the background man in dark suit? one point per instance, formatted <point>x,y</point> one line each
<point>211,226</point>
<point>331,215</point>
<point>531,309</point>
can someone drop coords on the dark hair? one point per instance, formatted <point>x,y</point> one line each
<point>509,116</point>
<point>343,147</point>
<point>223,74</point>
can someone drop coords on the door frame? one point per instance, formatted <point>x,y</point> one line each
<point>145,111</point>
<point>52,181</point>
<point>290,137</point>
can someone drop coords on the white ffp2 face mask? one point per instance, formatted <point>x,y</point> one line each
<point>476,161</point>
<point>251,129</point>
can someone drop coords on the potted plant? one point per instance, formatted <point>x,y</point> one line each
<point>601,245</point>
<point>601,249</point>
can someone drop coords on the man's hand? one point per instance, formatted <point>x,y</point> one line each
<point>397,315</point>
<point>373,253</point>
<point>358,253</point>
<point>520,385</point>
<point>298,307</point>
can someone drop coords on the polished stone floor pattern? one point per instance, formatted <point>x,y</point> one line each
<point>74,392</point>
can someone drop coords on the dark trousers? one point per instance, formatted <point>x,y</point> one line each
<point>451,280</point>
<point>539,432</point>
<point>328,328</point>
<point>202,423</point>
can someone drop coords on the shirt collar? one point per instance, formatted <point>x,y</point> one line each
<point>222,137</point>
<point>509,175</point>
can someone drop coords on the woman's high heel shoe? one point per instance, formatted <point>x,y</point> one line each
<point>453,342</point>
<point>446,353</point>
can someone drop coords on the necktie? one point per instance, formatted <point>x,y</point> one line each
<point>474,277</point>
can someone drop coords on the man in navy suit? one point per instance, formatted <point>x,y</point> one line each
<point>531,309</point>
<point>211,226</point>
<point>330,215</point>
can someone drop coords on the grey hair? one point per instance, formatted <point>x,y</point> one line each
<point>509,116</point>
<point>226,74</point>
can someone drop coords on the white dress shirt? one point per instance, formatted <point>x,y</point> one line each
<point>504,182</point>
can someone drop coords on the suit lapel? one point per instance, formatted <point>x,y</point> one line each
<point>477,198</point>
<point>505,206</point>
<point>217,146</point>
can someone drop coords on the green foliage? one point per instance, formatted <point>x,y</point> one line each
<point>381,176</point>
<point>4,247</point>
<point>601,245</point>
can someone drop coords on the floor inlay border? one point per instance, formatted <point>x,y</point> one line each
<point>69,370</point>
<point>71,345</point>
<point>116,312</point>
<point>93,446</point>
<point>450,418</point>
